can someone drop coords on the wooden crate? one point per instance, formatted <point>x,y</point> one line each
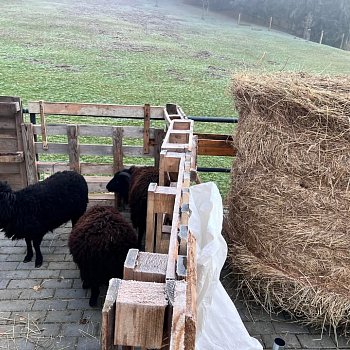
<point>12,166</point>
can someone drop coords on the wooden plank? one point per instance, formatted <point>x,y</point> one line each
<point>150,239</point>
<point>173,243</point>
<point>223,137</point>
<point>92,150</point>
<point>85,168</point>
<point>30,153</point>
<point>144,266</point>
<point>216,148</point>
<point>8,145</point>
<point>117,149</point>
<point>146,127</point>
<point>130,264</point>
<point>96,110</point>
<point>12,179</point>
<point>8,134</point>
<point>11,157</point>
<point>191,294</point>
<point>9,168</point>
<point>7,123</point>
<point>140,314</point>
<point>97,183</point>
<point>158,140</point>
<point>9,108</point>
<point>73,148</point>
<point>132,132</point>
<point>108,316</point>
<point>177,340</point>
<point>43,125</point>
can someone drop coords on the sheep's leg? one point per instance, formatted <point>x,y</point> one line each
<point>38,255</point>
<point>29,254</point>
<point>95,292</point>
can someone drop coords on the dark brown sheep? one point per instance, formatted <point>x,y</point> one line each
<point>132,185</point>
<point>99,244</point>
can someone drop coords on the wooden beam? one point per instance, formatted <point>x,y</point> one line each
<point>216,148</point>
<point>96,110</point>
<point>108,316</point>
<point>140,314</point>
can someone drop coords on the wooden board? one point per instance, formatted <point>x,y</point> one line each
<point>96,110</point>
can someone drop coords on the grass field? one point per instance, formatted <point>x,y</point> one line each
<point>131,52</point>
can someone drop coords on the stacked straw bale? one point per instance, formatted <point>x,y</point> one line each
<point>289,203</point>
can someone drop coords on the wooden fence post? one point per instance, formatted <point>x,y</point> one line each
<point>239,19</point>
<point>270,24</point>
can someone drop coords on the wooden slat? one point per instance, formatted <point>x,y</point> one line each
<point>108,316</point>
<point>11,157</point>
<point>9,108</point>
<point>30,153</point>
<point>132,132</point>
<point>9,145</point>
<point>93,109</point>
<point>91,150</point>
<point>97,183</point>
<point>9,168</point>
<point>215,148</point>
<point>173,244</point>
<point>177,340</point>
<point>117,149</point>
<point>73,148</point>
<point>146,127</point>
<point>191,294</point>
<point>7,122</point>
<point>43,125</point>
<point>150,239</point>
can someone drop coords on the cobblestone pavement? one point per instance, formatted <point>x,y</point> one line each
<point>46,308</point>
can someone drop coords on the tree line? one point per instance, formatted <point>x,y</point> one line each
<point>309,19</point>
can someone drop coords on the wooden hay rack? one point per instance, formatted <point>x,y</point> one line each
<point>97,152</point>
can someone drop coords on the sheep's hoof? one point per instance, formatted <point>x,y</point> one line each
<point>38,263</point>
<point>93,302</point>
<point>27,258</point>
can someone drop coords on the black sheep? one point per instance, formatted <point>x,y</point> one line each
<point>33,211</point>
<point>99,244</point>
<point>132,185</point>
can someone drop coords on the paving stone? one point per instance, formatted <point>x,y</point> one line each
<point>19,305</point>
<point>4,283</point>
<point>23,283</point>
<point>70,293</point>
<point>14,274</point>
<point>44,273</point>
<point>43,293</point>
<point>10,294</point>
<point>289,327</point>
<point>78,304</point>
<point>259,328</point>
<point>88,343</point>
<point>9,265</point>
<point>66,343</point>
<point>50,305</point>
<point>58,283</point>
<point>64,316</point>
<point>309,341</point>
<point>62,265</point>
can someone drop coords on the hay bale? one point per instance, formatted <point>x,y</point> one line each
<point>289,202</point>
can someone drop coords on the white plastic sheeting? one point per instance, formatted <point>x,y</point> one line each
<point>219,325</point>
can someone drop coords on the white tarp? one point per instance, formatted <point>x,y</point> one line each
<point>219,325</point>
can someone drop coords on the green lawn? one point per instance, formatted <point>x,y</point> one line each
<point>131,52</point>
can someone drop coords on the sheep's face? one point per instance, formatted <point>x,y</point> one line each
<point>120,184</point>
<point>6,203</point>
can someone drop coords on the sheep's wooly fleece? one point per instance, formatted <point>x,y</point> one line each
<point>289,202</point>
